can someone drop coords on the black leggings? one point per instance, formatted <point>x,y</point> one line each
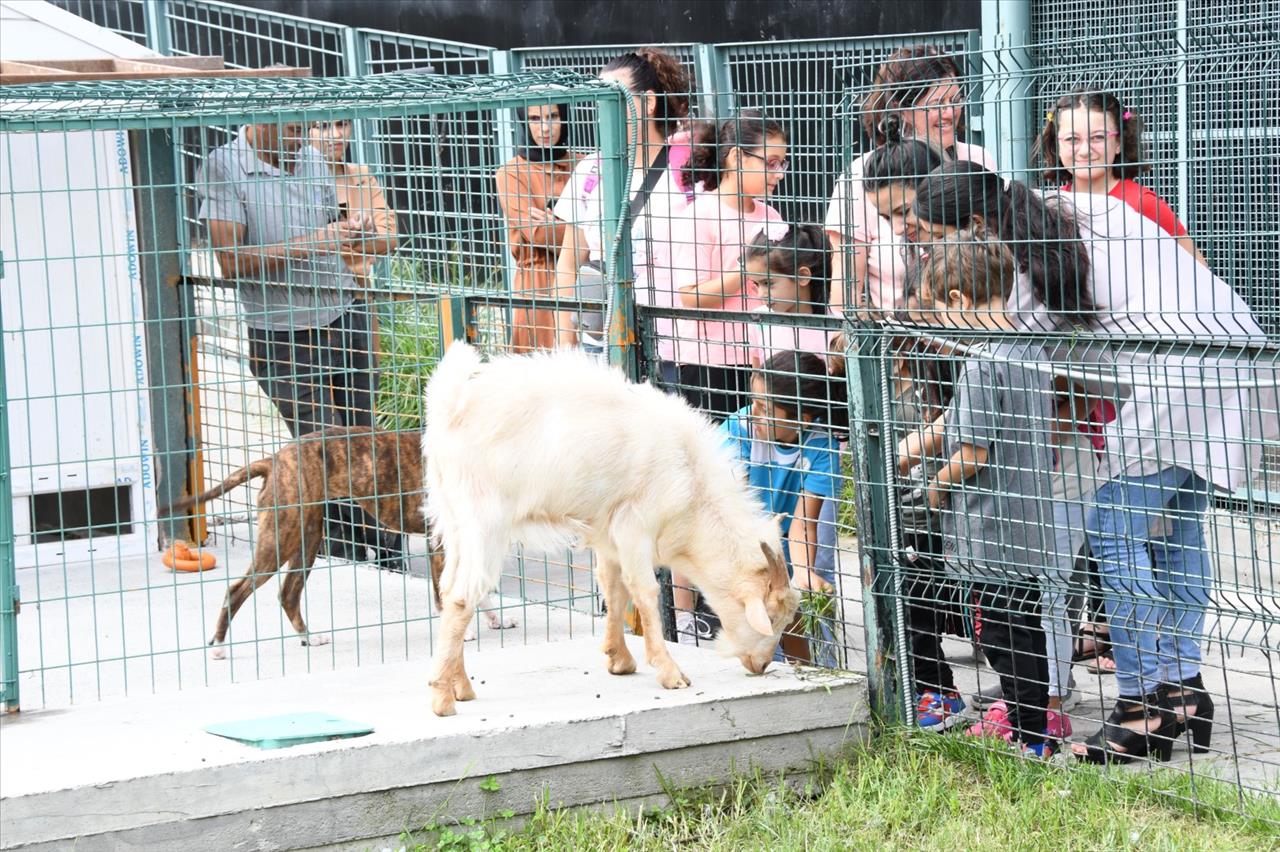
<point>1007,626</point>
<point>934,606</point>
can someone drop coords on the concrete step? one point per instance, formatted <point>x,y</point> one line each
<point>548,721</point>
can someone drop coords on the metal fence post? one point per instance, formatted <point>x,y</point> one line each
<point>881,580</point>
<point>615,166</point>
<point>156,22</point>
<point>506,62</point>
<point>713,80</point>
<point>1006,96</point>
<point>8,564</point>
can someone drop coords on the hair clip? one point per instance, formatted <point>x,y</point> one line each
<point>1127,115</point>
<point>1048,116</point>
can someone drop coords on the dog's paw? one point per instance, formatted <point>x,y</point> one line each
<point>498,621</point>
<point>314,639</point>
<point>218,652</point>
<point>470,635</point>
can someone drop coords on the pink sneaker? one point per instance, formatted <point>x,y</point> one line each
<point>1057,726</point>
<point>995,723</point>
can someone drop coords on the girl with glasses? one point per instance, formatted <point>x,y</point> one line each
<point>1091,143</point>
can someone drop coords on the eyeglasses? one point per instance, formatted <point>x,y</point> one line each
<point>773,164</point>
<point>1093,140</point>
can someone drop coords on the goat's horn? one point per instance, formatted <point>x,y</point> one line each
<point>779,567</point>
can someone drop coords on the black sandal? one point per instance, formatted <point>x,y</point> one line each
<point>1192,707</point>
<point>1114,743</point>
<point>1100,643</point>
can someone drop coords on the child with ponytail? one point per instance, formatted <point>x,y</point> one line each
<point>736,166</point>
<point>792,274</point>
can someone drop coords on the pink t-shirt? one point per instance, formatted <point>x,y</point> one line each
<point>707,240</point>
<point>851,215</point>
<point>766,339</point>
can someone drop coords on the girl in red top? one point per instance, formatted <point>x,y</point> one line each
<point>1092,144</point>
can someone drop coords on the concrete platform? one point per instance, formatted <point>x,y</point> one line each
<point>549,720</point>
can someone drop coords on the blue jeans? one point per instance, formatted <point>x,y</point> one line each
<point>1156,609</point>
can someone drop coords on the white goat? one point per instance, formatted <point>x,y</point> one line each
<point>544,447</point>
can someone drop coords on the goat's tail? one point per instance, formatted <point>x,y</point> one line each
<point>261,467</point>
<point>445,390</point>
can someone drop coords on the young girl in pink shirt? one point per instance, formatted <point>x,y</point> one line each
<point>735,167</point>
<point>792,274</point>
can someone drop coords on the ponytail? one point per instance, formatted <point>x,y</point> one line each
<point>654,70</point>
<point>710,145</point>
<point>801,246</point>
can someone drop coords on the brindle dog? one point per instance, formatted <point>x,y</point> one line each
<point>381,471</point>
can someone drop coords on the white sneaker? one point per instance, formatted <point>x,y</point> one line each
<point>686,629</point>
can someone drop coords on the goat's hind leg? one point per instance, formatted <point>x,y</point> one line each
<point>473,563</point>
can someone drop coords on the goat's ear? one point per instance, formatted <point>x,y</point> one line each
<point>778,577</point>
<point>758,617</point>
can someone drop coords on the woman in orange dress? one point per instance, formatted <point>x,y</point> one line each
<point>527,185</point>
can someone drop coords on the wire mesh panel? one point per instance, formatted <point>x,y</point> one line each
<point>801,83</point>
<point>1068,404</point>
<point>302,302</point>
<point>247,38</point>
<point>125,17</point>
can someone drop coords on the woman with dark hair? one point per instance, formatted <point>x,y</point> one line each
<point>527,186</point>
<point>659,89</point>
<point>1053,289</point>
<point>1091,143</point>
<point>918,95</point>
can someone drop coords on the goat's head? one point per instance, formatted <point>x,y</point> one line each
<point>761,604</point>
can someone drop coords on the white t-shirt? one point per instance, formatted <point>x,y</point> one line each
<point>852,215</point>
<point>581,204</point>
<point>1198,411</point>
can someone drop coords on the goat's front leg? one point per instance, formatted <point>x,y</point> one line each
<point>644,594</point>
<point>449,675</point>
<point>609,573</point>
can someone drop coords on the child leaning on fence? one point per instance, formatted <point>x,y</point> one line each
<point>788,440</point>
<point>793,275</point>
<point>993,489</point>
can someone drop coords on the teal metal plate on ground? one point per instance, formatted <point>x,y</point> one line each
<point>290,729</point>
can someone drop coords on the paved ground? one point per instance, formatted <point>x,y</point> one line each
<point>133,628</point>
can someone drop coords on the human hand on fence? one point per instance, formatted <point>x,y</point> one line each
<point>541,216</point>
<point>910,451</point>
<point>808,580</point>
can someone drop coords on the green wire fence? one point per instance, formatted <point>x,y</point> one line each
<point>1203,78</point>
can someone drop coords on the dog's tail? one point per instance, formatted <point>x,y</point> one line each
<point>445,391</point>
<point>261,467</point>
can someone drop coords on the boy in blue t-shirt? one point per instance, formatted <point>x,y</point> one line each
<point>786,442</point>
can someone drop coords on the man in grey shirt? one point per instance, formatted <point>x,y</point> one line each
<point>270,204</point>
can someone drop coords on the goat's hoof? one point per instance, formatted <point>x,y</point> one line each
<point>621,664</point>
<point>672,678</point>
<point>314,639</point>
<point>218,652</point>
<point>463,690</point>
<point>442,702</point>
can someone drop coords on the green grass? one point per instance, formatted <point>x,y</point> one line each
<point>915,792</point>
<point>408,348</point>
